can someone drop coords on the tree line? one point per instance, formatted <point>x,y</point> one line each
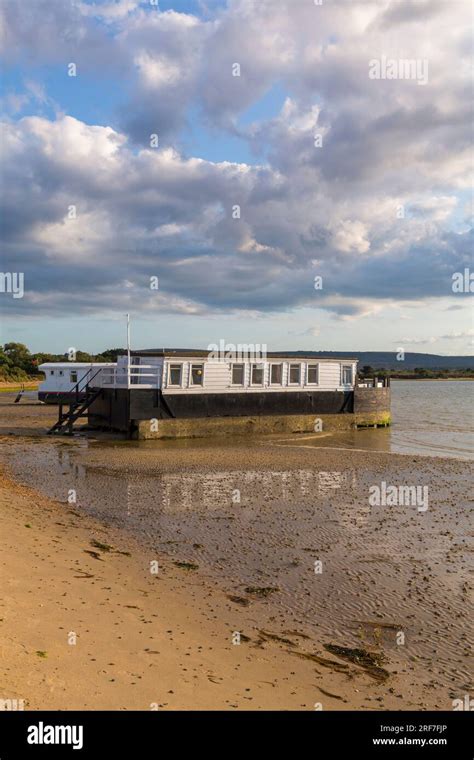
<point>418,373</point>
<point>19,364</point>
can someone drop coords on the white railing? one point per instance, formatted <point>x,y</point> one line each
<point>135,376</point>
<point>374,382</point>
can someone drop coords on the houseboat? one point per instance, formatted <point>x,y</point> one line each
<point>64,381</point>
<point>158,393</point>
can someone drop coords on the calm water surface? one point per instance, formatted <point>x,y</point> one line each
<point>429,417</point>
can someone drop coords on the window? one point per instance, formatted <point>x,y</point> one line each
<point>73,376</point>
<point>313,374</point>
<point>174,374</point>
<point>276,374</point>
<point>257,374</point>
<point>346,374</point>
<point>237,374</point>
<point>51,371</point>
<point>197,374</point>
<point>61,372</point>
<point>295,374</point>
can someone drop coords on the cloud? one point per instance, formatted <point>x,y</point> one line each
<point>458,335</point>
<point>110,11</point>
<point>434,339</point>
<point>355,180</point>
<point>86,208</point>
<point>416,341</point>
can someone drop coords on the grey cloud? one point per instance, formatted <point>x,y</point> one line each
<point>410,11</point>
<point>305,211</point>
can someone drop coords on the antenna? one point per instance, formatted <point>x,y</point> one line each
<point>128,349</point>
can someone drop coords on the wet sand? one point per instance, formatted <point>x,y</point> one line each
<point>238,530</point>
<point>143,641</point>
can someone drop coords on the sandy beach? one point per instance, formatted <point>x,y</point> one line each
<point>143,641</point>
<point>229,576</point>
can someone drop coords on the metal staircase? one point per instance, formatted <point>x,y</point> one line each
<point>81,399</point>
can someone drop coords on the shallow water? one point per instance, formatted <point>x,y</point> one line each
<point>434,418</point>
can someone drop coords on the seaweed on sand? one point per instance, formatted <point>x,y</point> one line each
<point>95,555</point>
<point>238,600</point>
<point>107,548</point>
<point>101,546</point>
<point>371,662</point>
<point>330,694</point>
<point>262,591</point>
<point>267,635</point>
<point>186,565</point>
<point>298,633</point>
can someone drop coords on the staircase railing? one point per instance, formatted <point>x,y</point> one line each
<point>77,403</point>
<point>76,390</point>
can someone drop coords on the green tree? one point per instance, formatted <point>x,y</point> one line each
<point>110,354</point>
<point>20,357</point>
<point>8,370</point>
<point>422,372</point>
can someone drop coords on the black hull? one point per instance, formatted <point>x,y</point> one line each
<point>253,404</point>
<point>117,409</point>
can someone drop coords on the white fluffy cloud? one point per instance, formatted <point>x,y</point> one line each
<point>356,180</point>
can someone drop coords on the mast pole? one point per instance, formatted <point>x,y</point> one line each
<point>128,350</point>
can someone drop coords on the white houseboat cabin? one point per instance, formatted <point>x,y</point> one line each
<point>164,386</point>
<point>61,379</point>
<point>174,384</point>
<point>198,372</point>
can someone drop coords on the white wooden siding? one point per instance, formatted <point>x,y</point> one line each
<point>218,376</point>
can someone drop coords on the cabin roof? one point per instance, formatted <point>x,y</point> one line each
<point>201,353</point>
<point>74,365</point>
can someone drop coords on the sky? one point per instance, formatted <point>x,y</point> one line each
<point>293,173</point>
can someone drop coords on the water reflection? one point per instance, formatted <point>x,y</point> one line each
<point>153,503</point>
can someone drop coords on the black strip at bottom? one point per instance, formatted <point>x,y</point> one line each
<point>341,734</point>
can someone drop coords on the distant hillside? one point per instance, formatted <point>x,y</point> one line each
<point>18,364</point>
<point>376,359</point>
<point>388,359</point>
